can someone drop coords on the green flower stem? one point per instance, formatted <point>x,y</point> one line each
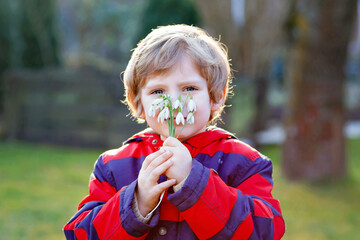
<point>181,130</point>
<point>171,119</point>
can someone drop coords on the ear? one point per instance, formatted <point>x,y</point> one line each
<point>141,112</point>
<point>217,105</point>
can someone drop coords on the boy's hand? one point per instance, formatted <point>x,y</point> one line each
<point>181,158</point>
<point>149,190</point>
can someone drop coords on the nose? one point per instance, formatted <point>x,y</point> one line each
<point>174,93</point>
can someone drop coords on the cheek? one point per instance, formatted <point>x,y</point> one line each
<point>203,108</point>
<point>205,102</point>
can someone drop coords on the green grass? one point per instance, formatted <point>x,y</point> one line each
<point>327,210</point>
<point>40,187</point>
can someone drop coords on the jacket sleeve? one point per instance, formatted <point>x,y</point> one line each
<point>242,208</point>
<point>106,213</point>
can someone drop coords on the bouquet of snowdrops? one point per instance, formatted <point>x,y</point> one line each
<point>172,112</point>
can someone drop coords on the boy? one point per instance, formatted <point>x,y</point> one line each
<point>216,187</point>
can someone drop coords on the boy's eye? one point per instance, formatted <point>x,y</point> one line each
<point>190,89</point>
<point>157,91</point>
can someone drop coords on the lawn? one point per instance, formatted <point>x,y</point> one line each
<point>41,185</point>
<point>327,210</point>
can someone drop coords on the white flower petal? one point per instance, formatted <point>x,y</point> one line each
<point>166,113</point>
<point>169,97</point>
<point>176,104</point>
<point>190,118</point>
<point>180,119</point>
<point>157,101</point>
<point>151,112</point>
<point>160,117</point>
<point>161,105</point>
<point>191,106</point>
<point>163,115</point>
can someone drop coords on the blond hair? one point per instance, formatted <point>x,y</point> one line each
<point>160,51</point>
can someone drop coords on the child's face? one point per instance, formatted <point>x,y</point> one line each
<point>182,78</point>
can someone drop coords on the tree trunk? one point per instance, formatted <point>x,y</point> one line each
<point>315,146</point>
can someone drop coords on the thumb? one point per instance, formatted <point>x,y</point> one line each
<point>171,142</point>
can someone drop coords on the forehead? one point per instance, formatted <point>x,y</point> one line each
<point>184,70</point>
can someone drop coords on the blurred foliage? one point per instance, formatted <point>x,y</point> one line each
<point>103,32</point>
<point>101,29</point>
<point>28,36</point>
<point>4,36</point>
<point>5,44</point>
<point>39,33</point>
<point>164,12</point>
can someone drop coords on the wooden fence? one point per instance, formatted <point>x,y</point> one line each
<point>75,107</point>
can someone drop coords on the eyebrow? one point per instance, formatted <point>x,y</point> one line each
<point>192,81</point>
<point>154,85</point>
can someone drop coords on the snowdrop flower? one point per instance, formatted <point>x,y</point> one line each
<point>190,118</point>
<point>180,119</point>
<point>191,105</point>
<point>177,104</point>
<point>152,110</point>
<point>164,114</point>
<point>161,104</point>
<point>157,101</point>
<point>171,111</point>
<point>169,97</point>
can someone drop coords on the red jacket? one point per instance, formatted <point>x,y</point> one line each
<point>226,196</point>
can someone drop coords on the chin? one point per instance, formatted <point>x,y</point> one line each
<point>186,134</point>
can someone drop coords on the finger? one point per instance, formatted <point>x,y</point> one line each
<point>148,175</point>
<point>159,160</point>
<point>161,169</point>
<point>164,185</point>
<point>166,148</point>
<point>171,142</point>
<point>151,157</point>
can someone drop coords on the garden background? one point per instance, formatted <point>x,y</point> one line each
<point>297,99</point>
